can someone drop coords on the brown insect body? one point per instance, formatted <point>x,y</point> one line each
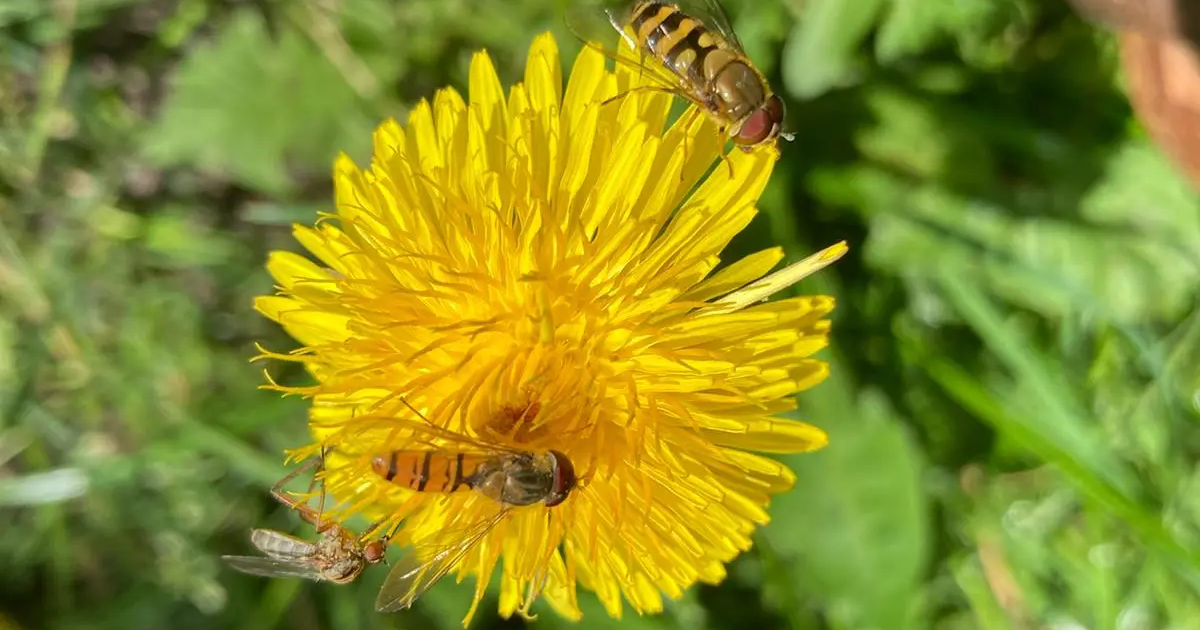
<point>338,556</point>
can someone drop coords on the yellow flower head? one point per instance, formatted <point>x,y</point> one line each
<point>536,273</point>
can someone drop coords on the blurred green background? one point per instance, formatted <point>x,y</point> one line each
<point>1013,405</point>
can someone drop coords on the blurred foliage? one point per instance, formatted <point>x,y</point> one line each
<point>1013,405</point>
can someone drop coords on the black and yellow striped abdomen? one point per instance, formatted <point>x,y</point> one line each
<point>683,44</point>
<point>429,471</point>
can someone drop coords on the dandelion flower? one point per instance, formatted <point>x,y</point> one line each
<point>539,271</point>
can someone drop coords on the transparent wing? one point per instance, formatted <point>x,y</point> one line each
<point>273,567</point>
<point>424,435</point>
<point>601,21</point>
<point>411,577</point>
<point>281,546</point>
<point>595,20</point>
<point>602,25</point>
<point>713,15</point>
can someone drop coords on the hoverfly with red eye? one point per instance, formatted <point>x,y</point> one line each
<point>447,462</point>
<point>688,48</point>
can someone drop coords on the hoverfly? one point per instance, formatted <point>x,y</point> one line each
<point>688,48</point>
<point>511,478</point>
<point>338,556</point>
<point>516,478</point>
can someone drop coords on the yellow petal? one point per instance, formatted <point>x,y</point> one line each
<point>488,112</point>
<point>784,278</point>
<point>288,268</point>
<point>309,326</point>
<point>543,74</point>
<point>769,435</point>
<point>736,275</point>
<point>423,149</point>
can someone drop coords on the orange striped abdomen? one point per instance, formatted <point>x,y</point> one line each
<point>429,471</point>
<point>683,44</point>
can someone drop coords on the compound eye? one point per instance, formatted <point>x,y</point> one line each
<point>763,125</point>
<point>374,551</point>
<point>564,479</point>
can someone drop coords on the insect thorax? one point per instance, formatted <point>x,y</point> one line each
<point>522,479</point>
<point>738,91</point>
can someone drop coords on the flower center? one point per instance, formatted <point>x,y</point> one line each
<point>516,424</point>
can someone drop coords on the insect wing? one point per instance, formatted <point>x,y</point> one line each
<point>273,567</point>
<point>425,435</point>
<point>595,22</point>
<point>411,577</point>
<point>712,14</point>
<point>281,546</point>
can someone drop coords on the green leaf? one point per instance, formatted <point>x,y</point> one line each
<point>87,12</point>
<point>1043,401</point>
<point>54,486</point>
<point>1179,378</point>
<point>277,597</point>
<point>189,15</point>
<point>285,214</point>
<point>983,29</point>
<point>15,11</point>
<point>1042,414</point>
<point>1050,265</point>
<point>762,26</point>
<point>987,611</point>
<point>991,33</point>
<point>911,26</point>
<point>174,235</point>
<point>1144,192</point>
<point>913,134</point>
<point>245,107</point>
<point>856,524</point>
<point>1147,417</point>
<point>821,52</point>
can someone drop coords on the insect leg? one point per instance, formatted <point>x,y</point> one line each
<point>320,518</point>
<point>728,162</point>
<point>683,123</point>
<point>411,577</point>
<point>372,528</point>
<point>307,514</point>
<point>725,153</point>
<point>277,489</point>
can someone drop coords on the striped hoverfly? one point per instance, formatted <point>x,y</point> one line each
<point>688,48</point>
<point>509,478</point>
